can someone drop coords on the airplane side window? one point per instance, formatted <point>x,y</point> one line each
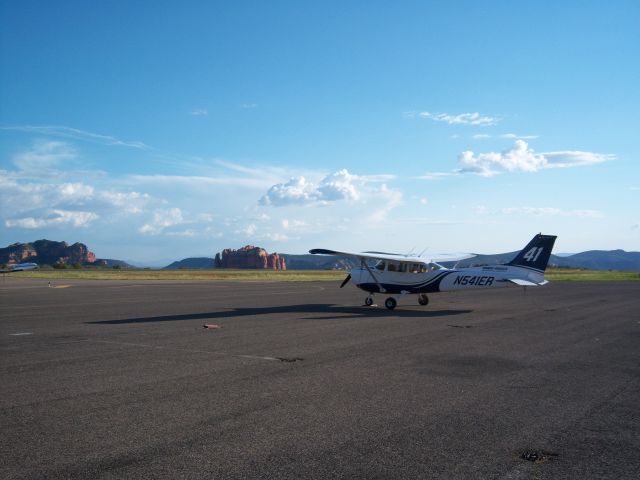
<point>423,268</point>
<point>380,265</point>
<point>391,267</point>
<point>402,267</point>
<point>415,268</point>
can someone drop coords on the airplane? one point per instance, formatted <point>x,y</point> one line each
<point>399,275</point>
<point>20,267</point>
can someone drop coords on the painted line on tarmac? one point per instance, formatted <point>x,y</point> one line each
<point>19,334</point>
<point>160,347</point>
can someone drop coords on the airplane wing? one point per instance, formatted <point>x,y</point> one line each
<point>368,255</point>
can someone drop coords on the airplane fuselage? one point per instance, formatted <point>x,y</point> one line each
<point>398,275</point>
<point>441,280</point>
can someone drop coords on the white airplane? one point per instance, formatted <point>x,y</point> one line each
<point>20,267</point>
<point>399,275</point>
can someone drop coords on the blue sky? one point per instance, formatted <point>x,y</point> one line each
<point>154,131</point>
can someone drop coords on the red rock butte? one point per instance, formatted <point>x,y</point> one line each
<point>47,252</point>
<point>249,257</point>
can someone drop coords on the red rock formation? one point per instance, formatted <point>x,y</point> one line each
<point>249,257</point>
<point>47,252</point>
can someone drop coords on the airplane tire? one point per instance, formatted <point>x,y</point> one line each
<point>368,301</point>
<point>423,299</point>
<point>390,303</point>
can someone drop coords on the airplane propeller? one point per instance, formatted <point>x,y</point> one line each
<point>345,281</point>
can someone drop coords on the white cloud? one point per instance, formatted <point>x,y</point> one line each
<point>249,105</point>
<point>388,199</point>
<point>56,217</point>
<point>199,112</point>
<point>480,136</point>
<point>297,191</point>
<point>519,158</point>
<point>551,211</point>
<point>435,175</point>
<point>190,181</point>
<point>292,224</point>
<point>474,118</point>
<point>34,199</point>
<point>513,136</point>
<point>566,159</point>
<point>340,185</point>
<point>43,155</point>
<point>162,219</point>
<point>184,233</point>
<point>250,230</point>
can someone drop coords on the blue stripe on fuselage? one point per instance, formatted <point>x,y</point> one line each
<point>430,286</point>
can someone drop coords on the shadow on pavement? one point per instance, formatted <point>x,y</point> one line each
<point>331,312</point>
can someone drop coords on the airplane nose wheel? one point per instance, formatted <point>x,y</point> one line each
<point>390,303</point>
<point>423,299</point>
<point>368,301</point>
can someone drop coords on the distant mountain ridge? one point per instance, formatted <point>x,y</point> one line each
<point>192,262</point>
<point>602,260</point>
<point>592,260</point>
<point>51,252</point>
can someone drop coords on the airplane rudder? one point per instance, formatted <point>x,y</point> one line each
<point>536,254</point>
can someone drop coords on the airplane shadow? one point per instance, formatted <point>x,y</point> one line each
<point>333,312</point>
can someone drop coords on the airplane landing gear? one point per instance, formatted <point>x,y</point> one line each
<point>423,299</point>
<point>390,303</point>
<point>368,301</point>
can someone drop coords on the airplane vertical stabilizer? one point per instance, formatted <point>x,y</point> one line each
<point>536,254</point>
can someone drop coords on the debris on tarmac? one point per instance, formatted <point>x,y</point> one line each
<point>212,326</point>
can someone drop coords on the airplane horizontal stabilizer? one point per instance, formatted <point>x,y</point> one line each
<point>525,283</point>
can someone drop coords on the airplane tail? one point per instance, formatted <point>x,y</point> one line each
<point>536,254</point>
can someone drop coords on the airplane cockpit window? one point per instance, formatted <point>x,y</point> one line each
<point>418,268</point>
<point>434,266</point>
<point>380,265</point>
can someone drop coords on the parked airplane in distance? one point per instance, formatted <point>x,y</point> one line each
<point>400,275</point>
<point>20,267</point>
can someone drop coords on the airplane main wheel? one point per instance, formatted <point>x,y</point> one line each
<point>423,299</point>
<point>368,301</point>
<point>390,303</point>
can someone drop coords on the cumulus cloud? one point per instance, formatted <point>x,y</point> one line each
<point>340,185</point>
<point>162,219</point>
<point>43,156</point>
<point>474,118</point>
<point>55,217</point>
<point>523,158</point>
<point>519,158</point>
<point>36,199</point>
